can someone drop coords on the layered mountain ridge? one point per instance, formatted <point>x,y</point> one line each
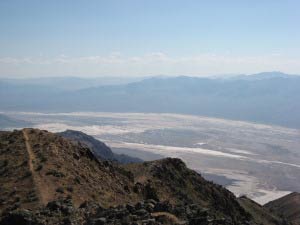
<point>270,98</point>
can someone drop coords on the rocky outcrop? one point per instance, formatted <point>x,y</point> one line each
<point>149,212</point>
<point>170,180</point>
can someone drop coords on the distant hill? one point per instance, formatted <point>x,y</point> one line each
<point>265,76</point>
<point>287,206</point>
<point>271,98</point>
<point>101,150</point>
<point>48,179</point>
<point>70,83</point>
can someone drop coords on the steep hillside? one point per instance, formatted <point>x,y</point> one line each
<point>178,184</point>
<point>37,167</point>
<point>260,214</point>
<point>48,179</point>
<point>101,150</point>
<point>287,206</point>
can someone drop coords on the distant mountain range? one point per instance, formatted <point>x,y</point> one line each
<point>270,97</point>
<point>8,122</point>
<point>71,83</point>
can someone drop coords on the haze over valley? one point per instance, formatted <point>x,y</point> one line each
<point>269,97</point>
<point>260,161</point>
<point>127,112</point>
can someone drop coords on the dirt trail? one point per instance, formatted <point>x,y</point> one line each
<point>41,187</point>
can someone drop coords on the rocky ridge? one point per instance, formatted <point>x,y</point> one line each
<point>48,179</point>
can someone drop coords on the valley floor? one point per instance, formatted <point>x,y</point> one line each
<point>260,161</point>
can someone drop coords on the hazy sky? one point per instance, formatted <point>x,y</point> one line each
<point>148,37</point>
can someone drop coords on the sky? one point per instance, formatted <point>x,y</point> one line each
<point>148,37</point>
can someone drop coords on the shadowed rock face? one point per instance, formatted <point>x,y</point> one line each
<point>261,214</point>
<point>48,179</point>
<point>288,206</point>
<point>100,149</point>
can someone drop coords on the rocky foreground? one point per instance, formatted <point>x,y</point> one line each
<point>49,179</point>
<point>144,212</point>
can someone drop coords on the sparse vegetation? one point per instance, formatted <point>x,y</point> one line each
<point>27,174</point>
<point>55,173</point>
<point>150,192</point>
<point>60,190</point>
<point>32,197</point>
<point>3,163</point>
<point>70,189</point>
<point>77,180</point>
<point>43,158</point>
<point>39,167</point>
<point>17,198</point>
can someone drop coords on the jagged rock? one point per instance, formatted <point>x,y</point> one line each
<point>64,206</point>
<point>139,205</point>
<point>99,221</point>
<point>130,208</point>
<point>149,207</point>
<point>149,221</point>
<point>19,217</point>
<point>152,201</point>
<point>163,207</point>
<point>141,212</point>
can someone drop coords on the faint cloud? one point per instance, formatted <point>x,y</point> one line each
<point>152,63</point>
